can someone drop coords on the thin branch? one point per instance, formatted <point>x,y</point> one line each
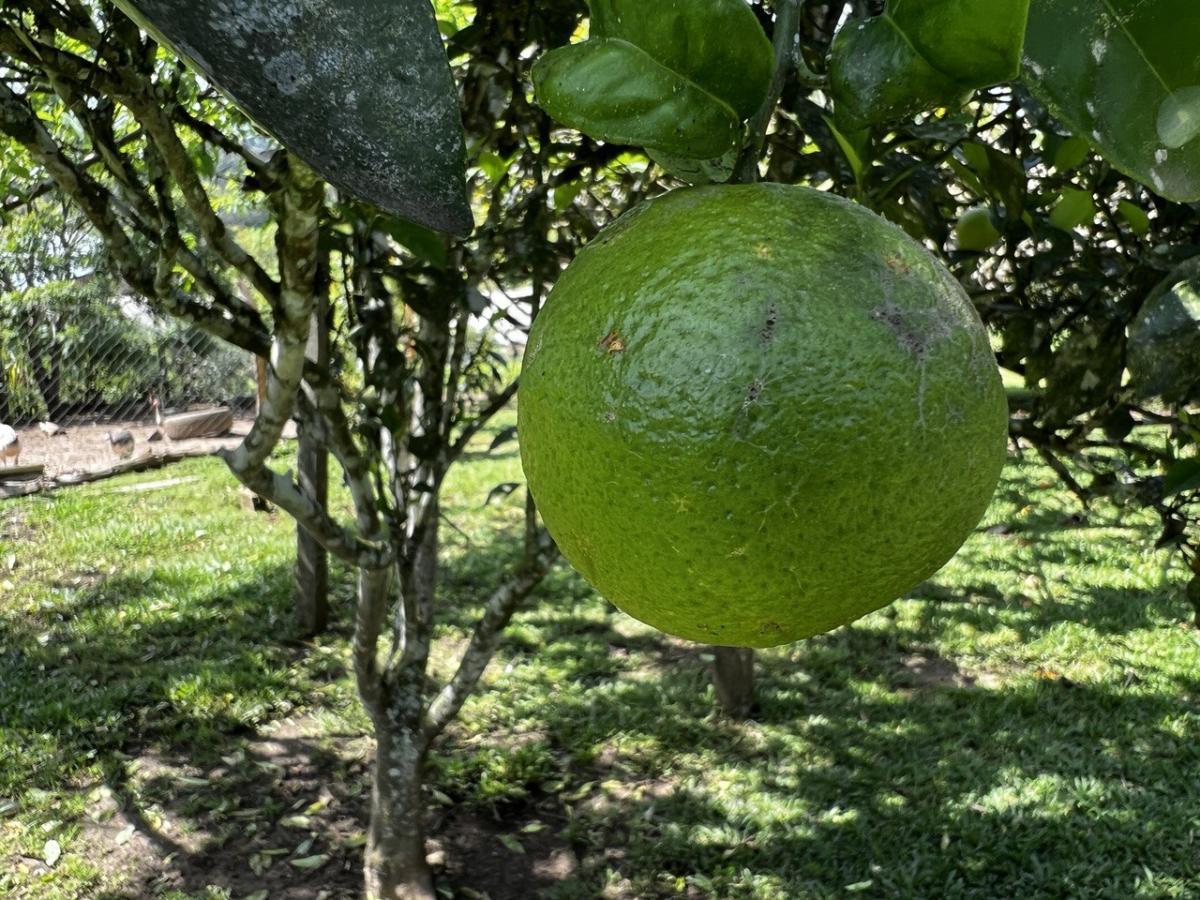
<point>481,419</point>
<point>787,32</point>
<point>498,612</point>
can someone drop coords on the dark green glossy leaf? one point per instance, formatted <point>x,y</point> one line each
<point>1164,343</point>
<point>924,53</point>
<point>1125,75</point>
<point>698,171</point>
<point>1184,475</point>
<point>718,45</point>
<point>612,91</point>
<point>676,77</point>
<point>362,90</point>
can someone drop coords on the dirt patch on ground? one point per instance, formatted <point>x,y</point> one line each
<point>284,811</point>
<point>84,449</point>
<point>516,859</point>
<point>925,670</point>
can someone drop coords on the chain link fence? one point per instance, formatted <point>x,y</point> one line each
<point>82,359</point>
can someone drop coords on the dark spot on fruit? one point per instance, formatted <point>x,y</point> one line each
<point>768,330</point>
<point>911,339</point>
<point>769,627</point>
<point>612,343</point>
<point>896,264</point>
<point>610,415</point>
<point>753,392</point>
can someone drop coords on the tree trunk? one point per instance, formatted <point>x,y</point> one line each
<point>733,678</point>
<point>311,595</point>
<point>395,865</point>
<point>312,562</point>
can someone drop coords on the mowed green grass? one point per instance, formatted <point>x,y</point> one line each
<point>1027,725</point>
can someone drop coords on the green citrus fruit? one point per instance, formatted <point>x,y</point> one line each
<point>753,413</point>
<point>975,229</point>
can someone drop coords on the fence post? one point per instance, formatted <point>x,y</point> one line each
<point>312,562</point>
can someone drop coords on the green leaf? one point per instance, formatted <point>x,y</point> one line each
<point>675,77</point>
<point>1134,216</point>
<point>511,843</point>
<point>855,146</point>
<point>361,90</point>
<point>612,91</point>
<point>493,166</point>
<point>565,194</point>
<point>1184,475</point>
<point>924,53</point>
<point>1071,154</point>
<point>1164,343</point>
<point>1124,75</point>
<point>716,44</point>
<point>424,243</point>
<point>1075,207</point>
<point>310,862</point>
<point>697,171</point>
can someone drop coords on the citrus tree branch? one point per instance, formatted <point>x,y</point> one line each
<point>787,34</point>
<point>496,615</point>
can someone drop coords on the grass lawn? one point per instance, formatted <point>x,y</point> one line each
<point>1026,726</point>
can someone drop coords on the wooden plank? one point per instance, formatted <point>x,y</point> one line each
<point>22,473</point>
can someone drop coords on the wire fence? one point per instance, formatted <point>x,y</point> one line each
<point>90,374</point>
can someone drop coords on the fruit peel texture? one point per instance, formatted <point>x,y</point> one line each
<point>750,414</point>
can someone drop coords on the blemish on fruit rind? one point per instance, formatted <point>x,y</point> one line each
<point>612,343</point>
<point>914,340</point>
<point>767,334</point>
<point>753,392</point>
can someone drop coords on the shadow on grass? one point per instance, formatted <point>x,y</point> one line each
<point>137,702</point>
<point>875,764</point>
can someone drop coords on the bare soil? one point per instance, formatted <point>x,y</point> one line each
<point>84,449</point>
<point>284,812</point>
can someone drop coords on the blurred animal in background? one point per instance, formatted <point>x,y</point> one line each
<point>121,443</point>
<point>10,445</point>
<point>52,430</point>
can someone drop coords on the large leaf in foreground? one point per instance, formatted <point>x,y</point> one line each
<point>360,89</point>
<point>1125,75</point>
<point>924,53</point>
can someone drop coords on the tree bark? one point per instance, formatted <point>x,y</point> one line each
<point>312,561</point>
<point>311,597</point>
<point>395,867</point>
<point>733,678</point>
